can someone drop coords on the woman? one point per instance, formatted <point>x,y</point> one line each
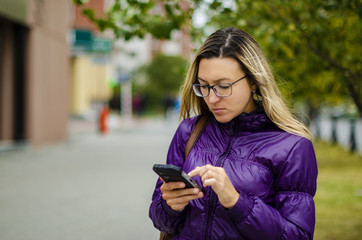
<point>254,159</point>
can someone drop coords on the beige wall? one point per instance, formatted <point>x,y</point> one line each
<point>48,72</point>
<point>88,84</point>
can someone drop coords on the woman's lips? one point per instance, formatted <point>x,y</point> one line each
<point>218,110</point>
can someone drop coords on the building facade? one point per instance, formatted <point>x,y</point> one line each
<point>34,71</point>
<point>45,74</point>
<point>91,67</point>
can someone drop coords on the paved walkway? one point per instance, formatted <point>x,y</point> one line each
<point>92,187</point>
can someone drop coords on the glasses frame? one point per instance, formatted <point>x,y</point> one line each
<point>194,85</point>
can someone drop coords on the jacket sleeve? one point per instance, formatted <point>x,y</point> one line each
<point>293,216</point>
<point>164,217</point>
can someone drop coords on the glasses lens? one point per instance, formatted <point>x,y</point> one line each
<point>200,90</point>
<point>223,90</point>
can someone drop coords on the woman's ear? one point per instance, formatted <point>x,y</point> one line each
<point>254,87</point>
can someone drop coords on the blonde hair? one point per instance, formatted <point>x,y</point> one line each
<point>246,51</point>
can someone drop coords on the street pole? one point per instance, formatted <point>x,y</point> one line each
<point>126,99</point>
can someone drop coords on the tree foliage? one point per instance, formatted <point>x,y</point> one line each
<point>164,75</point>
<point>132,18</point>
<point>313,45</point>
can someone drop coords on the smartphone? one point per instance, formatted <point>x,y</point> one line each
<point>172,173</point>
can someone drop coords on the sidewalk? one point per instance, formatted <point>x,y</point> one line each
<point>92,187</point>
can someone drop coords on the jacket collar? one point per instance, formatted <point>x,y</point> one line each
<point>252,121</point>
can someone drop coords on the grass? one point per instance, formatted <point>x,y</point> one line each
<point>339,193</point>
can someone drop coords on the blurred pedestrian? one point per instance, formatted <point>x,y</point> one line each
<point>254,158</point>
<point>168,106</point>
<point>138,104</point>
<point>103,119</point>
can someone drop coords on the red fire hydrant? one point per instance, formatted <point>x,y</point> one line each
<point>103,116</point>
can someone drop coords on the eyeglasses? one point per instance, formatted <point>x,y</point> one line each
<point>221,90</point>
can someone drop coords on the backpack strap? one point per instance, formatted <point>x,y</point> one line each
<point>196,133</point>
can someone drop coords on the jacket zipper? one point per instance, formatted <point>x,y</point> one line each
<point>212,202</point>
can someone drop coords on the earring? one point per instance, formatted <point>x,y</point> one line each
<point>255,96</point>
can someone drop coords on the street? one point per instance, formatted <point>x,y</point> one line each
<point>91,187</point>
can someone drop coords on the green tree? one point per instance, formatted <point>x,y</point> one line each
<point>314,45</point>
<point>133,18</point>
<point>162,77</point>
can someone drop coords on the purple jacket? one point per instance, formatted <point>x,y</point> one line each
<point>274,171</point>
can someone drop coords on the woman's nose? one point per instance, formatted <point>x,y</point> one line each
<point>213,98</point>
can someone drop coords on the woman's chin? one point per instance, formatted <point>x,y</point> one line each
<point>223,119</point>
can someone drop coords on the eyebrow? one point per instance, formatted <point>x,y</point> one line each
<point>214,81</point>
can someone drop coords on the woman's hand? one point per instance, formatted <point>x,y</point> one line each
<point>217,178</point>
<point>177,196</point>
